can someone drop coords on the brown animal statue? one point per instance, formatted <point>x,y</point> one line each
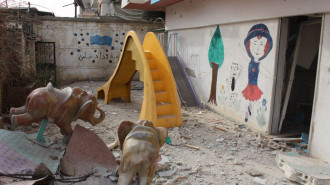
<point>57,106</point>
<point>140,143</point>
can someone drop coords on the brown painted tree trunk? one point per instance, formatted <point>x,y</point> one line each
<point>213,93</point>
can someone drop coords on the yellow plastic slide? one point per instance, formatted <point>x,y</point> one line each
<point>160,101</point>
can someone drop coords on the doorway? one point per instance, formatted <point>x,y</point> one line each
<point>45,63</point>
<point>296,73</point>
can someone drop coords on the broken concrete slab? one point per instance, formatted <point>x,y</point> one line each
<point>84,152</point>
<point>303,169</point>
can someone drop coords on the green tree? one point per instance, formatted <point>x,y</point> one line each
<point>216,56</point>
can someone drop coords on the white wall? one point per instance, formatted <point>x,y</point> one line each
<point>193,47</point>
<point>198,13</point>
<point>76,56</point>
<point>320,127</point>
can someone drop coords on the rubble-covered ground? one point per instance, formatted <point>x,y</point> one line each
<point>206,149</point>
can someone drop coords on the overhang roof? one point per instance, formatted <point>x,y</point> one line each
<point>151,5</point>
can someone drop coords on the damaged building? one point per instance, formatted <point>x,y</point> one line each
<point>261,65</point>
<point>285,91</point>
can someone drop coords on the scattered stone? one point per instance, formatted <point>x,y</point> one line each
<point>254,173</point>
<point>283,145</point>
<point>186,169</point>
<point>160,181</point>
<point>195,170</point>
<point>237,134</point>
<point>200,113</point>
<point>113,178</point>
<point>186,183</point>
<point>233,149</point>
<point>168,173</point>
<point>170,183</point>
<point>162,163</point>
<point>259,181</point>
<point>100,171</point>
<point>237,162</point>
<point>274,145</point>
<point>53,157</point>
<point>179,163</point>
<point>116,154</point>
<point>220,139</point>
<point>114,113</point>
<point>242,126</point>
<point>185,115</point>
<point>210,164</point>
<point>35,125</point>
<point>184,135</point>
<point>283,179</point>
<point>176,138</point>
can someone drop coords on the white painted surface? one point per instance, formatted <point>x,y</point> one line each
<point>319,134</point>
<point>74,61</point>
<point>124,3</point>
<point>193,46</point>
<point>198,13</point>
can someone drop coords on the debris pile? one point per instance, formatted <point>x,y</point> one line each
<point>206,149</point>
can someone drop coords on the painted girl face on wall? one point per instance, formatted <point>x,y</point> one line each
<point>257,47</point>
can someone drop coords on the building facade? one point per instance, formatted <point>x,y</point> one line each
<point>259,63</point>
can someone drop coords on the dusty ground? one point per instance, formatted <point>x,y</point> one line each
<point>222,158</point>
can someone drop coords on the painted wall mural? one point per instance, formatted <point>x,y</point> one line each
<point>238,80</point>
<point>258,43</point>
<point>261,113</point>
<point>216,57</point>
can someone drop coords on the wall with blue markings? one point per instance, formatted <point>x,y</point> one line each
<point>101,40</point>
<point>87,50</point>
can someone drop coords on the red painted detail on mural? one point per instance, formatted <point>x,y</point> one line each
<point>252,92</point>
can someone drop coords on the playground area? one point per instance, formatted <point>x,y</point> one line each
<point>199,153</point>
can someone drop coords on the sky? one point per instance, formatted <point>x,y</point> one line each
<point>55,6</point>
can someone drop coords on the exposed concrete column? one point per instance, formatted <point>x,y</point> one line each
<point>104,7</point>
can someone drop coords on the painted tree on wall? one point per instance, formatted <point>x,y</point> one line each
<point>216,56</point>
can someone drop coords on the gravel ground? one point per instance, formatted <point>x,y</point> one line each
<point>200,152</point>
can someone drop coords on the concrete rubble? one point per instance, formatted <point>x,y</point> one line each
<point>303,169</point>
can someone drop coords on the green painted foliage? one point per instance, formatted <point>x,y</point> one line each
<point>216,52</point>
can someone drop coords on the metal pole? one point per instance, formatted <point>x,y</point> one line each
<point>29,8</point>
<point>75,10</point>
